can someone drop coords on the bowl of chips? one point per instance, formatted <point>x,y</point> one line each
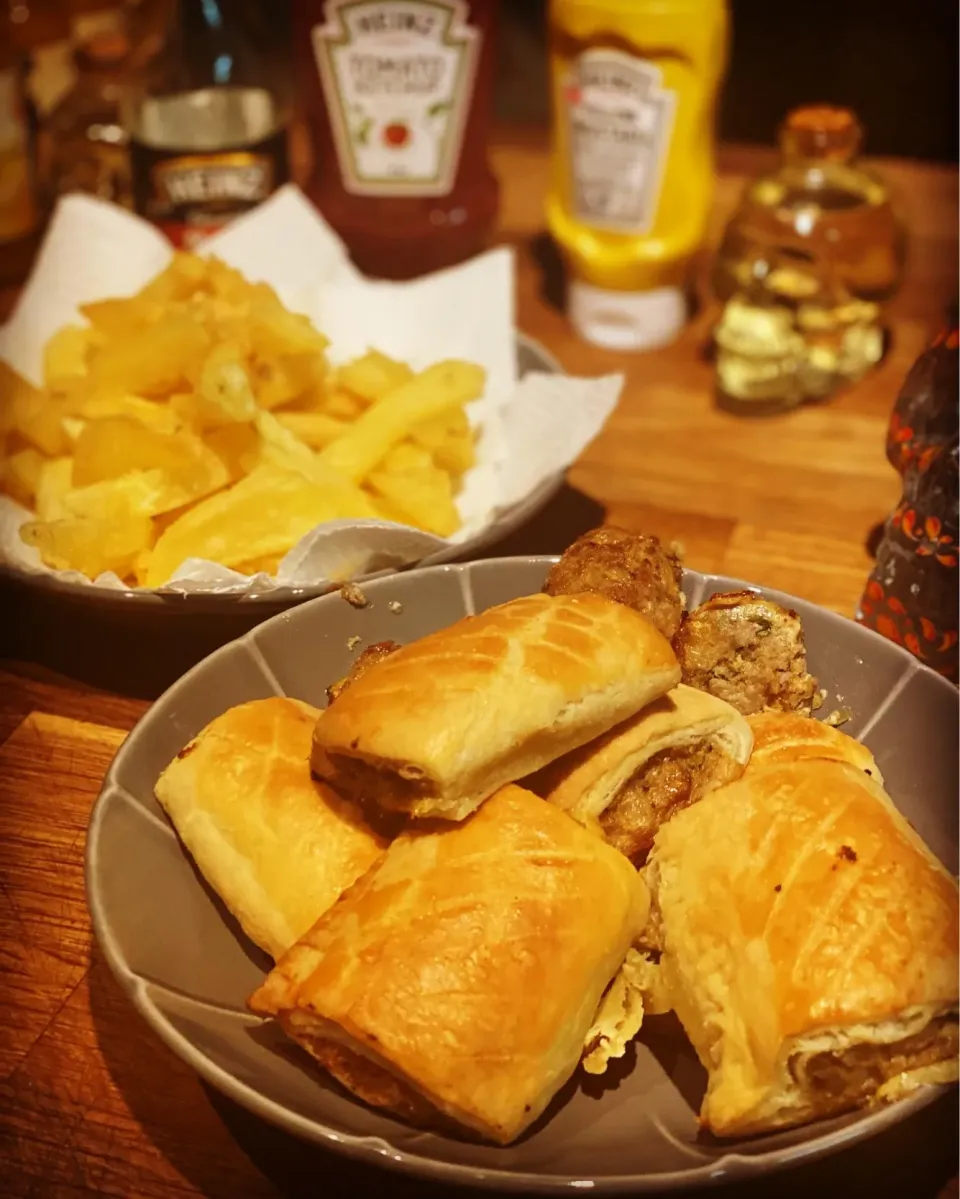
<point>202,435</point>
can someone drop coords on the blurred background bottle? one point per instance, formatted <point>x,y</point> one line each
<point>208,120</point>
<point>634,86</point>
<point>398,96</point>
<point>809,258</point>
<point>27,29</point>
<point>88,142</point>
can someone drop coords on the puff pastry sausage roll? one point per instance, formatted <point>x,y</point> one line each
<point>456,982</point>
<point>277,846</point>
<point>809,946</point>
<point>790,737</point>
<point>635,777</point>
<point>436,727</point>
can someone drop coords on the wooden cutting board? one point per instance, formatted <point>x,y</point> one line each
<point>92,1103</point>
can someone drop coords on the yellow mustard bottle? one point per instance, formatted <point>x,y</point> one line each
<point>634,86</point>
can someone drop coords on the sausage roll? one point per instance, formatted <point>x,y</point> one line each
<point>436,727</point>
<point>277,846</point>
<point>809,946</point>
<point>635,777</point>
<point>790,737</point>
<point>455,984</point>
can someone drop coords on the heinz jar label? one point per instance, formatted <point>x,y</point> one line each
<point>619,120</point>
<point>397,79</point>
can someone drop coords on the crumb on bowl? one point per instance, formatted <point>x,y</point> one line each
<point>353,595</point>
<point>354,641</point>
<point>395,606</point>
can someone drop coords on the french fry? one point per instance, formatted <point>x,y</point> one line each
<point>39,420</point>
<point>184,275</point>
<point>53,482</point>
<point>66,354</point>
<point>138,493</point>
<point>15,393</point>
<point>162,417</point>
<point>438,389</point>
<point>110,448</point>
<point>90,546</point>
<point>343,405</point>
<point>373,376</point>
<point>450,440</point>
<point>153,362</point>
<point>121,318</point>
<point>224,389</point>
<point>314,429</point>
<point>20,475</point>
<point>264,514</point>
<point>237,447</point>
<point>416,489</point>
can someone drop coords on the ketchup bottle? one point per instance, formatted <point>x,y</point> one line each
<point>398,95</point>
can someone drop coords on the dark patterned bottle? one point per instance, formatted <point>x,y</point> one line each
<point>912,595</point>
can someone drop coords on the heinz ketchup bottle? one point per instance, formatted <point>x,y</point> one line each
<point>398,96</point>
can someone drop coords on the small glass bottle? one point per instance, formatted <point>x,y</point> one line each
<point>208,121</point>
<point>805,265</point>
<point>89,143</point>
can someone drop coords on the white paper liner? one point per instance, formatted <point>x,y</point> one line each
<point>531,430</point>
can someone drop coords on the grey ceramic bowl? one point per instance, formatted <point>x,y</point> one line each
<point>188,969</point>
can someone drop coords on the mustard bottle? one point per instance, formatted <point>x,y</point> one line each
<point>634,86</point>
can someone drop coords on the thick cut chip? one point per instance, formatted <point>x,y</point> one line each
<point>156,361</point>
<point>416,490</point>
<point>224,389</point>
<point>109,448</point>
<point>15,393</point>
<point>163,418</point>
<point>90,546</point>
<point>450,440</point>
<point>282,380</point>
<point>66,354</point>
<point>440,388</point>
<point>276,332</point>
<point>140,492</point>
<point>373,375</point>
<point>53,483</point>
<point>121,318</point>
<point>20,475</point>
<point>264,514</point>
<point>185,274</point>
<point>237,447</point>
<point>314,429</point>
<point>39,420</point>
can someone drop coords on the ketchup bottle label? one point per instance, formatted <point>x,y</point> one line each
<point>397,79</point>
<point>619,120</point>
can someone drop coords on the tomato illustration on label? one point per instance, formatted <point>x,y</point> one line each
<point>396,134</point>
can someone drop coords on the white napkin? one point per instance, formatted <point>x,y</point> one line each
<point>531,429</point>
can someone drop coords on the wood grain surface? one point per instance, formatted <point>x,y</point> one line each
<point>91,1103</point>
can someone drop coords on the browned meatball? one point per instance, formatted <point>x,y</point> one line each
<point>748,651</point>
<point>631,568</point>
<point>369,657</point>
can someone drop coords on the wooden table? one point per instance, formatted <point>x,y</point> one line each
<point>91,1103</point>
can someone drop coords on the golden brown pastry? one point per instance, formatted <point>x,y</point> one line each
<point>747,650</point>
<point>277,846</point>
<point>456,982</point>
<point>365,659</point>
<point>438,726</point>
<point>809,946</point>
<point>790,737</point>
<point>638,775</point>
<point>631,568</point>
